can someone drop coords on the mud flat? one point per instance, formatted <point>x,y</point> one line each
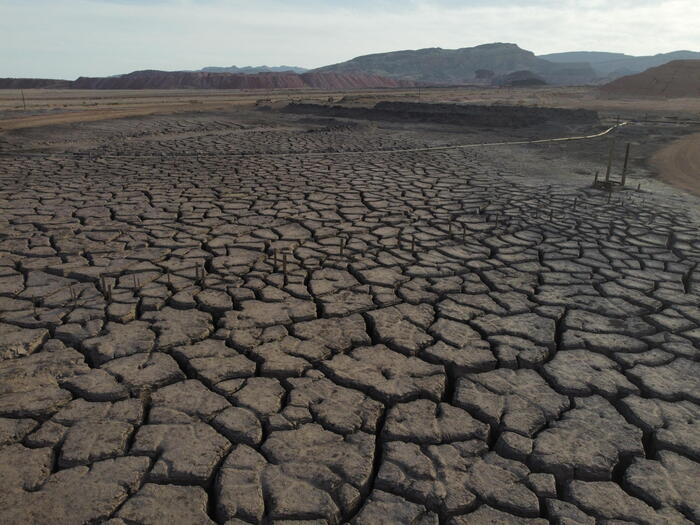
<point>221,317</point>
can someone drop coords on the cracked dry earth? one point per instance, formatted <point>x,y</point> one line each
<point>383,339</point>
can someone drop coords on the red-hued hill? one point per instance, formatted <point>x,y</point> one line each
<point>205,80</point>
<point>677,79</point>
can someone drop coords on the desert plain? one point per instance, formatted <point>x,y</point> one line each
<point>255,308</point>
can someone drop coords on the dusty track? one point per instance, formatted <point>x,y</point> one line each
<point>679,164</point>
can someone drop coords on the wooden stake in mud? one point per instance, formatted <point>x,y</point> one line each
<point>575,201</point>
<point>284,268</point>
<point>610,159</point>
<point>627,159</point>
<point>595,180</point>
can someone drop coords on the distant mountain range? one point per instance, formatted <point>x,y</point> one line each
<point>250,70</point>
<point>498,64</point>
<point>610,66</point>
<point>480,64</point>
<point>492,63</point>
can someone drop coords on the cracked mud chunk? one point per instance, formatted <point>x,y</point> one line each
<point>261,395</point>
<point>516,352</point>
<point>24,468</point>
<point>675,381</point>
<point>14,430</point>
<point>347,302</point>
<point>312,474</point>
<point>403,327</point>
<point>239,425</point>
<point>340,334</point>
<point>457,334</point>
<point>537,329</point>
<point>387,375</point>
<point>96,385</point>
<point>179,327</point>
<point>671,481</point>
<point>76,495</point>
<point>461,360</point>
<point>424,422</point>
<point>607,501</point>
<point>383,508</point>
<point>38,404</point>
<point>166,504</point>
<point>516,400</point>
<point>486,515</point>
<point>587,442</point>
<point>214,301</point>
<point>288,357</point>
<point>17,342</point>
<point>596,323</point>
<point>350,456</point>
<point>239,490</point>
<point>212,361</point>
<point>120,340</point>
<point>435,475</point>
<point>259,314</point>
<point>144,371</point>
<point>582,373</point>
<point>184,453</point>
<point>673,426</point>
<point>336,408</point>
<point>40,370</point>
<point>188,397</point>
<point>503,484</point>
<point>90,441</point>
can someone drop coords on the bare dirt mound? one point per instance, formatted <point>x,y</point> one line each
<point>677,79</point>
<point>679,163</point>
<point>203,80</point>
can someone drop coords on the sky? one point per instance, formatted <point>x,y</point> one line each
<point>71,38</point>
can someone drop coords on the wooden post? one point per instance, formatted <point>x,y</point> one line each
<point>610,159</point>
<point>284,267</point>
<point>24,101</point>
<point>627,159</point>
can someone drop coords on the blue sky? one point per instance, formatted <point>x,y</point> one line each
<point>68,38</point>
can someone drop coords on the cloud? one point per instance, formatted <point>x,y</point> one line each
<point>67,38</point>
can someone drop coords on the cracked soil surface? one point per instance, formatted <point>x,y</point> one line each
<point>193,336</point>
